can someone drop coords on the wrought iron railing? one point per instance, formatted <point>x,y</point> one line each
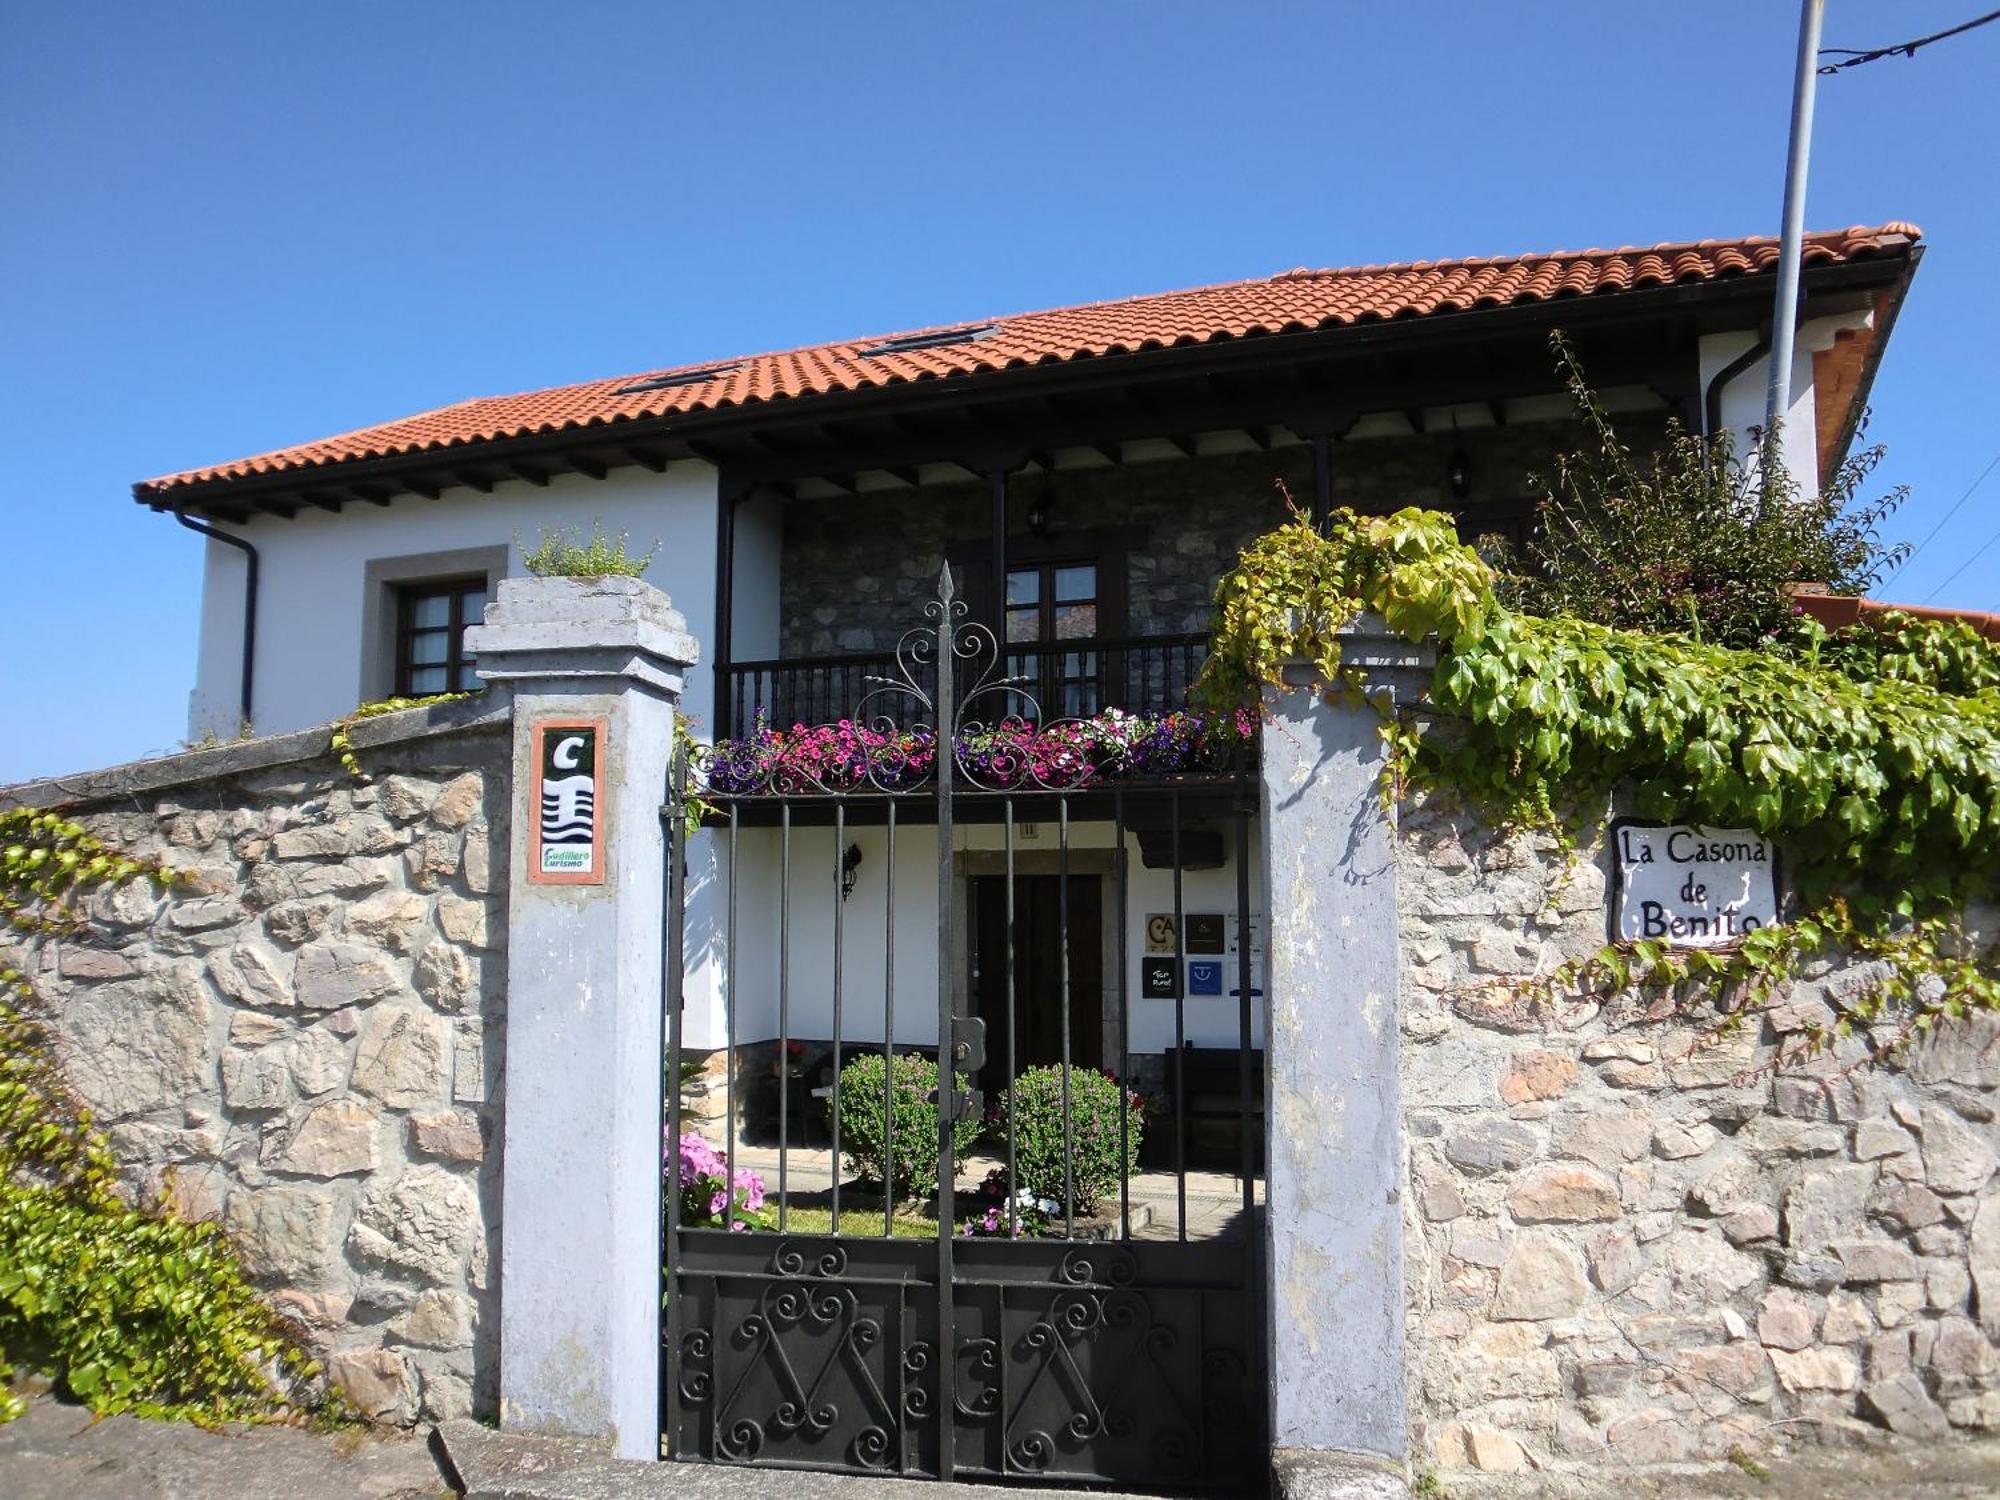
<point>1070,679</point>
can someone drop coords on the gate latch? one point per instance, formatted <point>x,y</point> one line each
<point>968,1044</point>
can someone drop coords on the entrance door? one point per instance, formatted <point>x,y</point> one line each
<point>1039,1001</point>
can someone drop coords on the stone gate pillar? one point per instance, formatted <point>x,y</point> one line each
<point>596,670</point>
<point>1334,1125</point>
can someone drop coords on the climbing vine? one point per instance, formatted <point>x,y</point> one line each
<point>128,1309</point>
<point>1872,755</point>
<point>341,742</point>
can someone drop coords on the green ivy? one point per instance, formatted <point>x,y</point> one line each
<point>127,1309</point>
<point>341,741</point>
<point>1872,755</point>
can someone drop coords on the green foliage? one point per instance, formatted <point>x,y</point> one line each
<point>1680,540</point>
<point>1873,756</point>
<point>864,1128</point>
<point>342,744</point>
<point>564,552</point>
<point>1078,1166</point>
<point>128,1309</point>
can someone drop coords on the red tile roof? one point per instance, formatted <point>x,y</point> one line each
<point>1293,301</point>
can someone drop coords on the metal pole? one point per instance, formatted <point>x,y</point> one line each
<point>1784,316</point>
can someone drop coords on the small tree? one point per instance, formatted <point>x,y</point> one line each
<point>1081,1162</point>
<point>1682,540</point>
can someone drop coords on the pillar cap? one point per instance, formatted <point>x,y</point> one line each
<point>582,627</point>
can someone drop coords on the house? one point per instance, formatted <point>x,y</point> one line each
<point>1076,479</point>
<point>1086,473</point>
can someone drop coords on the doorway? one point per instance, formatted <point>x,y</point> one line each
<point>1038,995</point>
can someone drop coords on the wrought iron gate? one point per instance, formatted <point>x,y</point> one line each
<point>1021,1333</point>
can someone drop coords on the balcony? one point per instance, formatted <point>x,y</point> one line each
<point>1065,679</point>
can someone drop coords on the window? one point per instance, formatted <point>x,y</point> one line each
<point>431,619</point>
<point>1049,604</point>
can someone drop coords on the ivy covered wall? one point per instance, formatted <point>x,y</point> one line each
<point>302,1041</point>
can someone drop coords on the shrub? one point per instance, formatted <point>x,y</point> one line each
<point>564,553</point>
<point>1031,1116</point>
<point>863,1124</point>
<point>1682,540</point>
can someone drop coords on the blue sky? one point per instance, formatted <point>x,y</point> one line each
<point>235,226</point>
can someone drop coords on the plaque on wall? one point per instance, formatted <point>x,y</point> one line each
<point>1160,978</point>
<point>1691,886</point>
<point>1205,932</point>
<point>1160,932</point>
<point>567,843</point>
<point>1204,976</point>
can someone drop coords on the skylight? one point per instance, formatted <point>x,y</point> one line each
<point>678,377</point>
<point>914,341</point>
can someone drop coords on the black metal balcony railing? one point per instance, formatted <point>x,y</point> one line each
<point>1067,679</point>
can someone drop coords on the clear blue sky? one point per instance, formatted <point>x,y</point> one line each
<point>235,226</point>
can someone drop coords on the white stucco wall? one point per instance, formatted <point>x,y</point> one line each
<point>1209,1021</point>
<point>314,605</point>
<point>1743,398</point>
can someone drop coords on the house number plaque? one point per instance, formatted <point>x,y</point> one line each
<point>1690,886</point>
<point>568,843</point>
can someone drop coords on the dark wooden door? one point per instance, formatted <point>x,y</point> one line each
<point>1038,998</point>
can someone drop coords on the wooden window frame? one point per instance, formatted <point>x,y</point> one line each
<point>408,595</point>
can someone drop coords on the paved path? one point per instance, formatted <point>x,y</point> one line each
<point>56,1452</point>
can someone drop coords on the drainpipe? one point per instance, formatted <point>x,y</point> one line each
<point>1711,405</point>
<point>249,605</point>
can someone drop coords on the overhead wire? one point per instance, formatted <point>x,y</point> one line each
<point>1855,57</point>
<point>1931,536</point>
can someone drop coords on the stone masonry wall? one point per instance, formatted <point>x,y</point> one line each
<point>1627,1241</point>
<point>306,1045</point>
<point>856,571</point>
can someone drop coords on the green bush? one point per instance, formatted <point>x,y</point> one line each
<point>915,1142</point>
<point>1031,1115</point>
<point>564,553</point>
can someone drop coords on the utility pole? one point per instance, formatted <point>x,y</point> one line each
<point>1785,316</point>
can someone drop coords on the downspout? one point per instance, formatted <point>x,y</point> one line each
<point>1711,403</point>
<point>249,606</point>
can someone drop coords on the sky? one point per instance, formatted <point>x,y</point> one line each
<point>230,227</point>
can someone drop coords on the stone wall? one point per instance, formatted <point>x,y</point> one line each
<point>857,571</point>
<point>305,1044</point>
<point>1628,1241</point>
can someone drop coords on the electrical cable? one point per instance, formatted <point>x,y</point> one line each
<point>1855,58</point>
<point>1986,547</point>
<point>1932,536</point>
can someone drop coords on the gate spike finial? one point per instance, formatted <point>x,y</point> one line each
<point>945,591</point>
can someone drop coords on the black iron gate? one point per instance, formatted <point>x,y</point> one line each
<point>1033,1327</point>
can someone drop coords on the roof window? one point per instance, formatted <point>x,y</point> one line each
<point>678,377</point>
<point>910,342</point>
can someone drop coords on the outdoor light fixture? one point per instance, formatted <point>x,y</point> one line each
<point>850,870</point>
<point>1038,512</point>
<point>1458,472</point>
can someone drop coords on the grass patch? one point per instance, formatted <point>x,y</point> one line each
<point>857,1223</point>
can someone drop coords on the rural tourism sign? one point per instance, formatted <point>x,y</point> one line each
<point>568,843</point>
<point>1691,886</point>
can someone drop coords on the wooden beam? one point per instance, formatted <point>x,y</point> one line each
<point>539,478</point>
<point>429,489</point>
<point>708,453</point>
<point>907,473</point>
<point>474,480</point>
<point>1259,436</point>
<point>1499,412</point>
<point>1414,415</point>
<point>1183,445</point>
<point>649,458</point>
<point>842,482</point>
<point>1111,453</point>
<point>374,494</point>
<point>590,468</point>
<point>321,499</point>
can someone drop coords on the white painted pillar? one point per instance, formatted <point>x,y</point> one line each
<point>1334,1133</point>
<point>596,670</point>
